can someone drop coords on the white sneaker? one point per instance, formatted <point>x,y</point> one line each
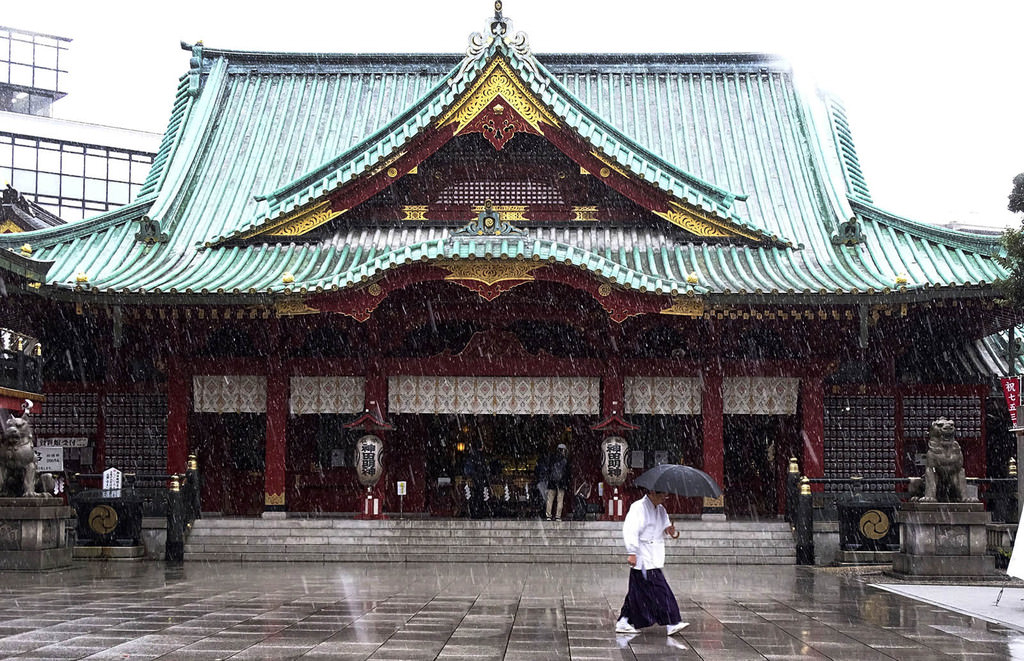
<point>673,629</point>
<point>623,626</point>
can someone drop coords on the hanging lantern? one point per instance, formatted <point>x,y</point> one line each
<point>614,451</point>
<point>368,460</point>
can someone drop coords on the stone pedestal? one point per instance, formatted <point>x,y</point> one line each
<point>943,539</point>
<point>33,534</point>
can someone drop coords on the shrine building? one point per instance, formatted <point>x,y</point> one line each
<point>505,251</point>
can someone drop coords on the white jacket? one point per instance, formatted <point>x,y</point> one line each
<point>644,533</point>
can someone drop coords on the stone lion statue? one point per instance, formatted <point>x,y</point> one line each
<point>18,460</point>
<point>944,477</point>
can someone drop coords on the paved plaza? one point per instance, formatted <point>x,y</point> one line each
<point>109,610</point>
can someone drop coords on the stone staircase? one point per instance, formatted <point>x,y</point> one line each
<point>463,540</point>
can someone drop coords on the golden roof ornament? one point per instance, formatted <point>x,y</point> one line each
<point>81,277</point>
<point>26,249</point>
<point>902,279</point>
<point>287,278</point>
<point>692,278</point>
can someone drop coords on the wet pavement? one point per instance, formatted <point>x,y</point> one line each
<point>498,611</point>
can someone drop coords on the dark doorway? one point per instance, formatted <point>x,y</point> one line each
<point>232,446</point>
<point>757,448</point>
<point>501,452</point>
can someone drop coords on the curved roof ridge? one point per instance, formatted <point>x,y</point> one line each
<point>989,246</point>
<point>187,147</point>
<point>49,236</point>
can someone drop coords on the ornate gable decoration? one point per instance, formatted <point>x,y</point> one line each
<point>489,223</point>
<point>498,105</point>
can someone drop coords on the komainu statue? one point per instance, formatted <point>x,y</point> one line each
<point>944,477</point>
<point>18,460</point>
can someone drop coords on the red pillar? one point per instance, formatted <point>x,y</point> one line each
<point>713,419</point>
<point>812,408</point>
<point>276,446</point>
<point>178,391</point>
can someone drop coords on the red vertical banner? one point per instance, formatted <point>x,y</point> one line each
<point>1011,391</point>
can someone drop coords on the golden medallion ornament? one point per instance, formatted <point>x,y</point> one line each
<point>874,524</point>
<point>103,519</point>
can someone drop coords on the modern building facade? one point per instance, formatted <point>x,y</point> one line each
<point>71,169</point>
<point>504,251</point>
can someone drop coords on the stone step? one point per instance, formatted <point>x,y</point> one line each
<point>460,540</point>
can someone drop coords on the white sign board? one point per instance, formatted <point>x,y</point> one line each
<point>63,442</point>
<point>50,460</point>
<point>401,488</point>
<point>111,479</point>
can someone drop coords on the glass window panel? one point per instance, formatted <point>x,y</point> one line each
<point>74,149</point>
<point>49,160</point>
<point>21,50</point>
<point>118,155</point>
<point>26,142</point>
<point>6,155</point>
<point>46,56</point>
<point>118,170</point>
<point>39,105</point>
<point>24,181</point>
<point>96,151</point>
<point>139,172</point>
<point>95,206</point>
<point>21,75</point>
<point>117,193</point>
<point>73,163</point>
<point>46,79</point>
<point>95,189</point>
<point>71,186</point>
<point>25,157</point>
<point>52,208</point>
<point>5,139</point>
<point>96,166</point>
<point>5,175</point>
<point>69,214</point>
<point>48,184</point>
<point>134,192</point>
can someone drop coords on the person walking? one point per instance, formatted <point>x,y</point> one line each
<point>649,599</point>
<point>558,474</point>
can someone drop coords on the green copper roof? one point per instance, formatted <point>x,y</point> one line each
<point>254,135</point>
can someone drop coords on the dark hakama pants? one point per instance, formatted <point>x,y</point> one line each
<point>649,600</point>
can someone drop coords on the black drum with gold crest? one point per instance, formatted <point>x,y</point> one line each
<point>867,521</point>
<point>108,518</point>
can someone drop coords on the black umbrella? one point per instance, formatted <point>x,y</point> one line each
<point>680,480</point>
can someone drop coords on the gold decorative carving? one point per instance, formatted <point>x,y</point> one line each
<point>685,306</point>
<point>714,503</point>
<point>489,272</point>
<point>293,307</point>
<point>509,212</point>
<point>701,224</point>
<point>498,79</point>
<point>297,222</point>
<point>8,227</point>
<point>274,499</point>
<point>584,213</point>
<point>300,223</point>
<point>414,212</point>
<point>392,172</point>
<point>605,289</point>
<point>605,172</point>
<point>374,289</point>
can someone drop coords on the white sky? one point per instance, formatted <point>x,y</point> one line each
<point>934,90</point>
